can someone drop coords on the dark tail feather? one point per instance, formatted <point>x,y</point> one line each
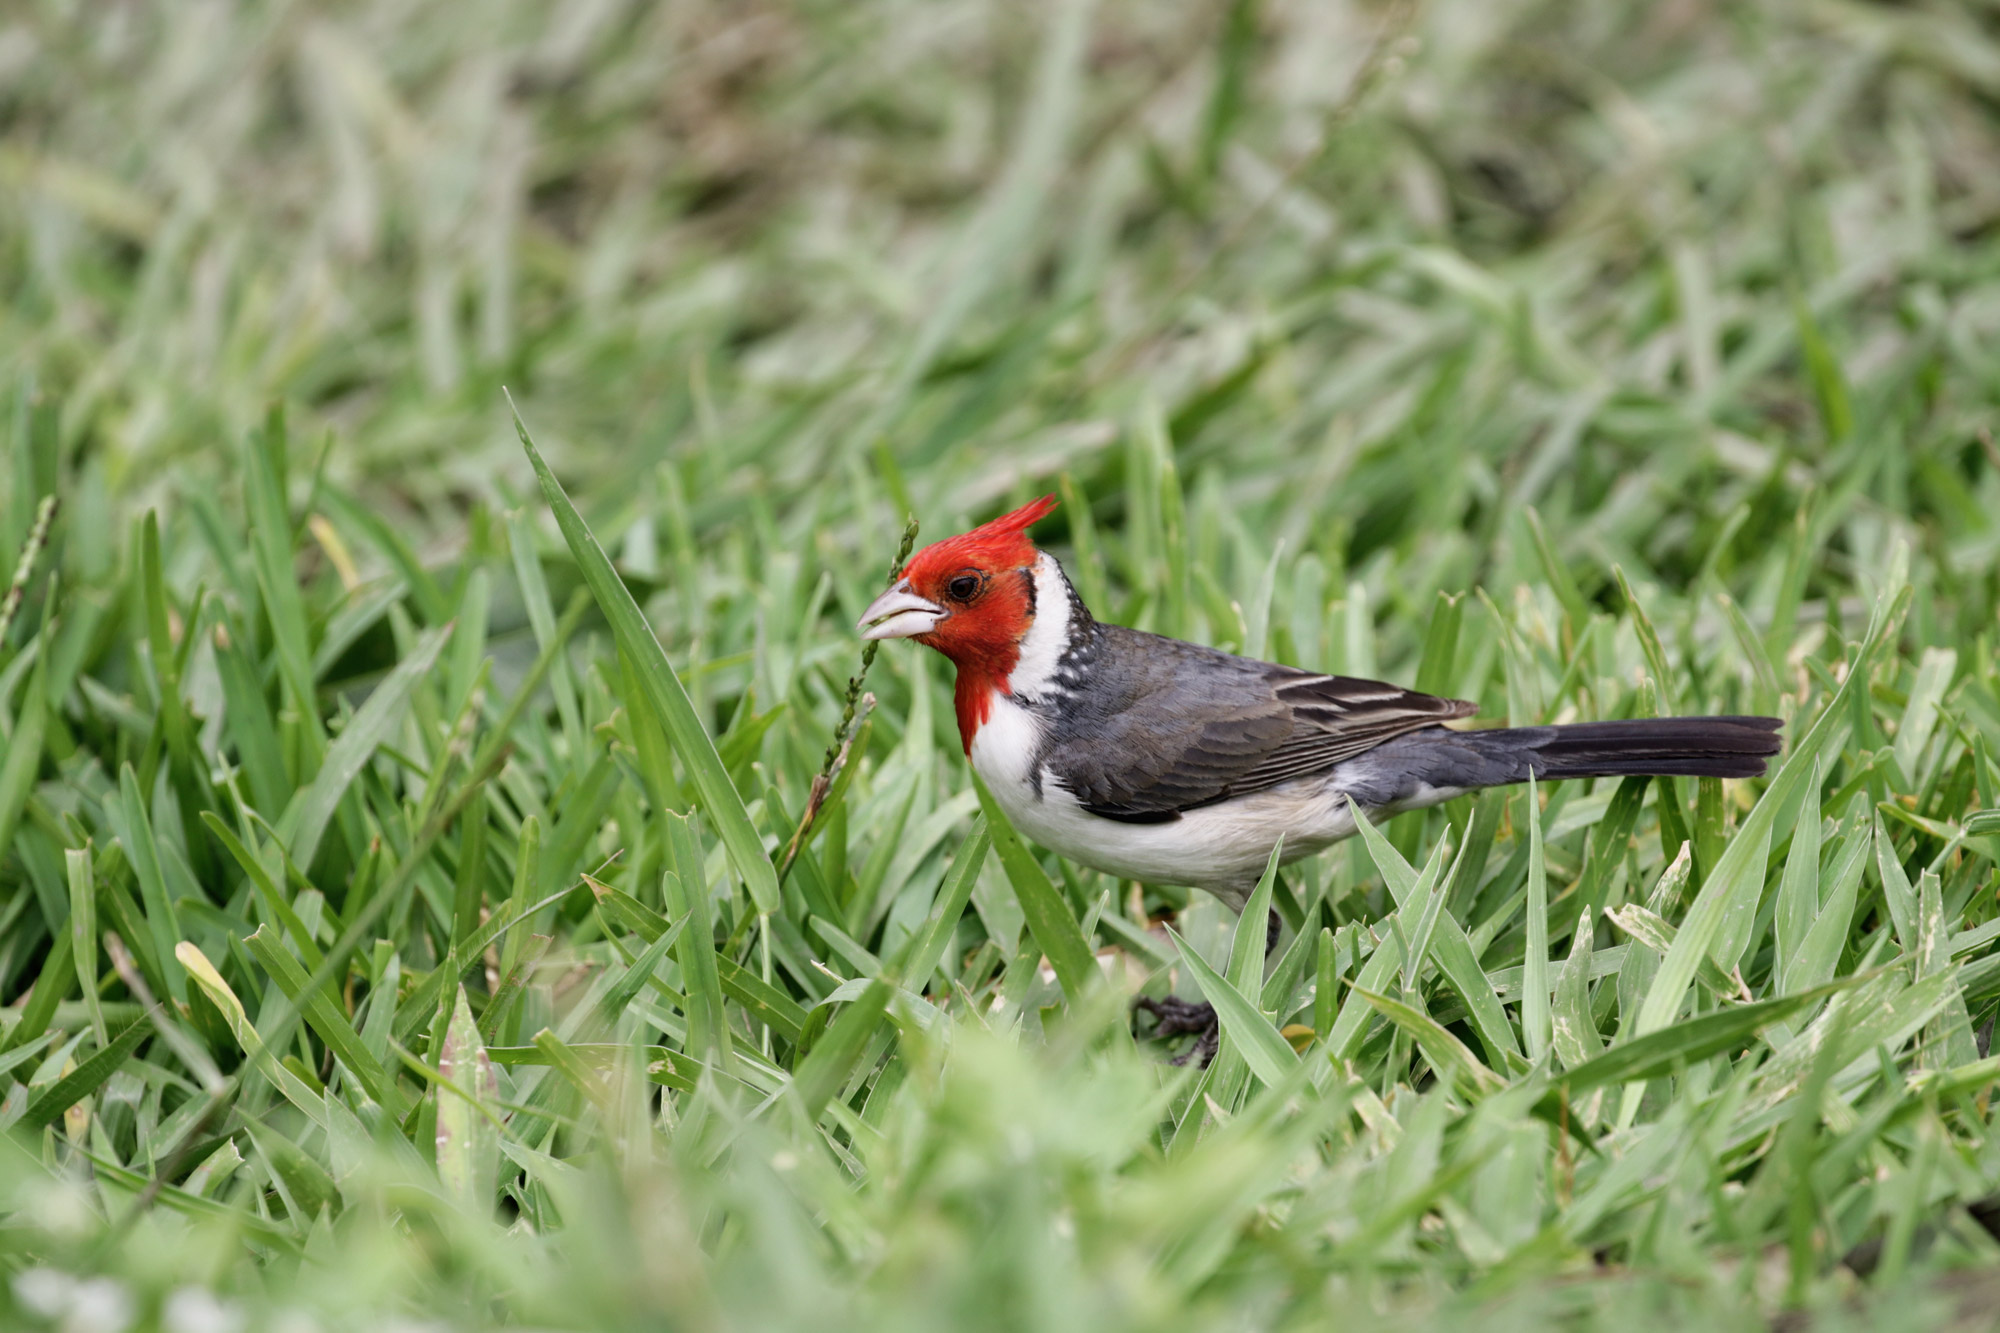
<point>1696,747</point>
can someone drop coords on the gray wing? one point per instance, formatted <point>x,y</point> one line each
<point>1176,727</point>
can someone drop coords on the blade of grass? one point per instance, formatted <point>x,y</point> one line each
<point>1896,890</point>
<point>47,1107</point>
<point>1349,1028</point>
<point>1048,913</point>
<point>639,972</point>
<point>1246,942</point>
<point>271,547</point>
<point>1799,890</point>
<point>1608,842</point>
<point>1661,1050</point>
<point>247,714</point>
<point>664,1066</point>
<point>719,797</point>
<point>331,1025</point>
<point>162,930</point>
<point>305,1185</point>
<point>685,890</point>
<point>1326,984</point>
<point>1435,670</point>
<point>468,1143</point>
<point>266,889</point>
<point>1450,945</point>
<point>1576,613</point>
<point>542,619</point>
<point>190,771</point>
<point>1573,1028</point>
<point>427,999</point>
<point>1448,1056</point>
<point>953,895</point>
<point>83,934</point>
<point>1536,1023</point>
<point>22,757</point>
<point>1658,934</point>
<point>51,986</point>
<point>761,1000</point>
<point>834,1056</point>
<point>1649,644</point>
<point>1429,894</point>
<point>1267,1054</point>
<point>1741,867</point>
<point>306,817</point>
<point>1820,950</point>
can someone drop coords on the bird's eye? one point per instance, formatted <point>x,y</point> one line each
<point>961,588</point>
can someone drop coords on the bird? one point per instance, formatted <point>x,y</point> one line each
<point>1167,762</point>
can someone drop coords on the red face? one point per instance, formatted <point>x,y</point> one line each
<point>969,597</point>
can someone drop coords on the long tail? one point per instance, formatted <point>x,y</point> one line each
<point>1705,747</point>
<point>1681,747</point>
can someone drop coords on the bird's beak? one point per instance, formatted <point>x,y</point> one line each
<point>899,614</point>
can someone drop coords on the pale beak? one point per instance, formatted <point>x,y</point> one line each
<point>899,614</point>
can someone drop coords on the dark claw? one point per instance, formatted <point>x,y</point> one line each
<point>1203,1049</point>
<point>1175,1017</point>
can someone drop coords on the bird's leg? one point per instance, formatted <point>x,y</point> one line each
<point>1174,1017</point>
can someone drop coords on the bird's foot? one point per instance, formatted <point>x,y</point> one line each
<point>1174,1017</point>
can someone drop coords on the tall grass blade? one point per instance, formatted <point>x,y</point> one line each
<point>1536,1022</point>
<point>1050,919</point>
<point>1740,871</point>
<point>669,698</point>
<point>311,810</point>
<point>1269,1056</point>
<point>468,1141</point>
<point>1450,945</point>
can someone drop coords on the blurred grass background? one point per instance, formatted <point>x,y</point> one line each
<point>1663,338</point>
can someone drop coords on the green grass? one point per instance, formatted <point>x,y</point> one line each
<point>395,921</point>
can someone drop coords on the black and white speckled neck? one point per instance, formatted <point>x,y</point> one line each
<point>1060,643</point>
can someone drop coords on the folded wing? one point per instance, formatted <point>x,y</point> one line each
<point>1183,726</point>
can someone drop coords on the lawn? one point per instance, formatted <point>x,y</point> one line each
<point>444,450</point>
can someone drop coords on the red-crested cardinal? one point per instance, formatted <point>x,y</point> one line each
<point>1166,762</point>
<point>1163,761</point>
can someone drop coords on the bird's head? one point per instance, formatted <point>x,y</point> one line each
<point>971,597</point>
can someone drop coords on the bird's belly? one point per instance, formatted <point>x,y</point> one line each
<point>1221,848</point>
